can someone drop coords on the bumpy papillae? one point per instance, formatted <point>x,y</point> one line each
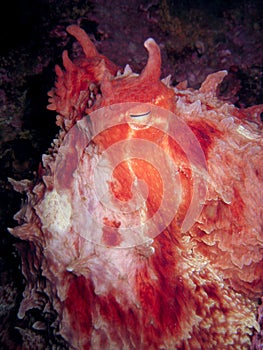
<point>182,290</point>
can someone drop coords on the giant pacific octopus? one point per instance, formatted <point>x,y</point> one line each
<point>190,285</point>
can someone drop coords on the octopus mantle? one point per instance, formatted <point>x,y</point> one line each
<point>145,221</point>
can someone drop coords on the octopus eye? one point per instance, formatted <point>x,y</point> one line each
<point>140,115</point>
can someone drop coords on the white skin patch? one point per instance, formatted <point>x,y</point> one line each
<point>55,211</point>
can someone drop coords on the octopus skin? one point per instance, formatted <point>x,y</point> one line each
<point>191,278</point>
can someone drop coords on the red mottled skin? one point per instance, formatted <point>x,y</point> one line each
<point>186,290</point>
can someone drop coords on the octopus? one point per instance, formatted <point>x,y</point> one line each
<point>143,227</point>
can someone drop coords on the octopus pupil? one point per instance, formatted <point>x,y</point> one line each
<point>140,115</point>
